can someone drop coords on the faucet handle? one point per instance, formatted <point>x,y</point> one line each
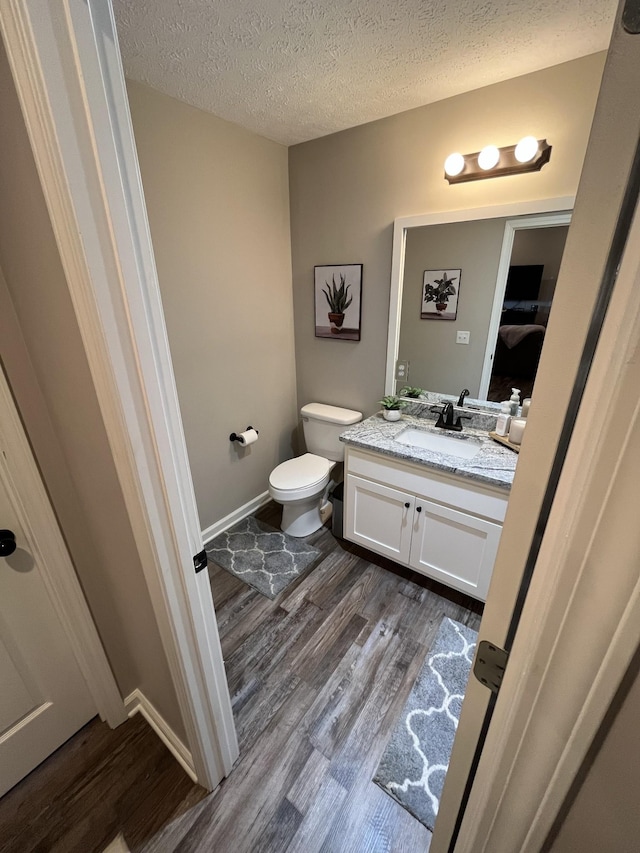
<point>460,417</point>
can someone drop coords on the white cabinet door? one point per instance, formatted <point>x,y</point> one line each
<point>379,518</point>
<point>454,547</point>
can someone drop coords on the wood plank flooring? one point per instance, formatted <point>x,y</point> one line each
<point>317,678</point>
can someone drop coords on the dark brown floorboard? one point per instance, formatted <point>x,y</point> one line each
<point>317,678</point>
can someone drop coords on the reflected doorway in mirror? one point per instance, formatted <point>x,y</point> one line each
<point>440,291</point>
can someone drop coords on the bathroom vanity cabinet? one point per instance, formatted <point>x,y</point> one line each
<point>443,526</point>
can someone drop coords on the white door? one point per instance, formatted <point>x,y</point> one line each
<point>43,696</point>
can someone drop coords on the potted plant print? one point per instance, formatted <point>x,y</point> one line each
<point>338,300</point>
<point>441,292</point>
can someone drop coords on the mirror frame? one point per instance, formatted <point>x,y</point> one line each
<point>402,224</point>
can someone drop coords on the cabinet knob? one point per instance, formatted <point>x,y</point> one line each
<point>407,505</point>
<point>418,509</point>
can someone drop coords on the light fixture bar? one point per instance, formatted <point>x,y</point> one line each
<point>507,164</point>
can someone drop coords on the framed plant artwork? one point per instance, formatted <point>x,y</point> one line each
<point>338,300</point>
<point>440,291</point>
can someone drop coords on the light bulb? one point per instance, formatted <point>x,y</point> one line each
<point>526,149</point>
<point>454,164</point>
<point>488,157</point>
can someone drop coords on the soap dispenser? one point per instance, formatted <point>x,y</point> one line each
<point>514,400</point>
<point>504,418</point>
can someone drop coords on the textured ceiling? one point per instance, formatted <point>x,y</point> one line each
<point>293,70</point>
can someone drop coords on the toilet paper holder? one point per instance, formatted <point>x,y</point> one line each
<point>236,437</point>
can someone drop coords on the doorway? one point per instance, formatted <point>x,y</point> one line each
<point>531,255</point>
<point>613,160</point>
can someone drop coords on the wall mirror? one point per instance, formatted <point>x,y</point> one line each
<point>502,262</point>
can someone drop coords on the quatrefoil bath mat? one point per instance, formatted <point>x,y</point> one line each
<point>265,558</point>
<point>416,759</point>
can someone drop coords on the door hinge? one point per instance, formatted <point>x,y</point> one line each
<point>200,561</point>
<point>490,664</point>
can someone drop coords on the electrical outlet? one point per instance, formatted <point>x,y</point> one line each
<point>402,371</point>
<point>462,337</point>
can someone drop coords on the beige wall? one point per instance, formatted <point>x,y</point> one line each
<point>540,246</point>
<point>46,366</point>
<point>217,198</point>
<point>346,190</point>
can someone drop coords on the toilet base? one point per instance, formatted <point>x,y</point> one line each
<point>302,519</point>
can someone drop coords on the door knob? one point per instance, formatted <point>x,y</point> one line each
<point>407,505</point>
<point>418,509</point>
<point>7,542</point>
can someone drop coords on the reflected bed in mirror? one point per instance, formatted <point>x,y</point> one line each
<point>506,259</point>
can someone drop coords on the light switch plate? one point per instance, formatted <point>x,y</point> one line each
<point>463,337</point>
<point>402,371</point>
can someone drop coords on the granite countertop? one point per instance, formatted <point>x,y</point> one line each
<point>494,464</point>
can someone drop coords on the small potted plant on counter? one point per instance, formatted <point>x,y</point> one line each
<point>391,406</point>
<point>338,300</point>
<point>412,393</point>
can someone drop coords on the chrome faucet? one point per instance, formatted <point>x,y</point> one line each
<point>464,393</point>
<point>446,418</point>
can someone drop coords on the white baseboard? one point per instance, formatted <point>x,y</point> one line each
<point>137,703</point>
<point>234,517</point>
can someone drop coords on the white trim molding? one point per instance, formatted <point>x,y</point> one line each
<point>68,75</point>
<point>234,517</point>
<point>137,703</point>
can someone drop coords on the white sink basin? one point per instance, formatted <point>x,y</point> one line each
<point>464,448</point>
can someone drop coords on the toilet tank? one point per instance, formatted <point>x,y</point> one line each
<point>322,426</point>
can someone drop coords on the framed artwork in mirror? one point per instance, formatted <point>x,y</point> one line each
<point>338,299</point>
<point>440,290</point>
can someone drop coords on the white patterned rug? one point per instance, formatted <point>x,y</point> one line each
<point>265,558</point>
<point>414,764</point>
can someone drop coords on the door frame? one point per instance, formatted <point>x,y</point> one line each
<point>66,67</point>
<point>561,678</point>
<point>46,543</point>
<point>525,223</point>
<point>114,287</point>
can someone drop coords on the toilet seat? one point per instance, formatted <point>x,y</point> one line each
<point>301,477</point>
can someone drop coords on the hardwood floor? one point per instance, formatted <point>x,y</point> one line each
<point>317,679</point>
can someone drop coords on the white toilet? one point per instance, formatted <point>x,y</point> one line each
<point>300,484</point>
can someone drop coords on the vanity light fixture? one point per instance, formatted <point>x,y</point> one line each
<point>529,155</point>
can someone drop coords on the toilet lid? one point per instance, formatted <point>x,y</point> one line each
<point>302,471</point>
